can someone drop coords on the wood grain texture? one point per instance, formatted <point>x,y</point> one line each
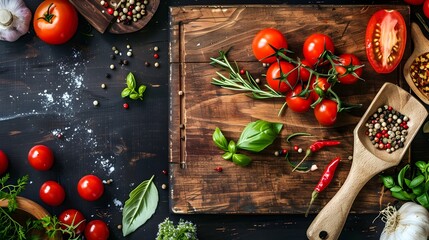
<point>92,12</point>
<point>267,185</point>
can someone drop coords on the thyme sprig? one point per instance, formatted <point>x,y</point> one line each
<point>235,80</point>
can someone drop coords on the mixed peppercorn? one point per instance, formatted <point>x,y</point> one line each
<point>419,72</point>
<point>387,129</point>
<point>127,11</point>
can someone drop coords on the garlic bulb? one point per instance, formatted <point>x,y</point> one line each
<point>411,221</point>
<point>15,19</point>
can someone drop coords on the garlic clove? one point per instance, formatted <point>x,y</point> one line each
<point>6,17</point>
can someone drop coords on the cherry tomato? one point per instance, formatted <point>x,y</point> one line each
<point>52,193</point>
<point>55,21</point>
<point>41,157</point>
<point>304,74</point>
<point>90,187</point>
<point>74,219</point>
<point>414,2</point>
<point>97,230</point>
<point>262,41</point>
<point>315,45</point>
<point>326,112</point>
<point>385,40</point>
<point>426,8</point>
<point>4,162</point>
<point>278,74</point>
<point>298,103</point>
<point>345,73</point>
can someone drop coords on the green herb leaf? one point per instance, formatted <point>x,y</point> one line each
<point>396,189</point>
<point>258,135</point>
<point>142,89</point>
<point>401,175</point>
<point>388,181</point>
<point>241,160</point>
<point>418,190</point>
<point>140,206</point>
<point>131,81</point>
<point>220,140</point>
<point>423,200</point>
<point>417,181</point>
<point>185,230</point>
<point>402,195</point>
<point>232,147</point>
<point>125,93</point>
<point>227,156</point>
<point>134,95</point>
<point>421,165</point>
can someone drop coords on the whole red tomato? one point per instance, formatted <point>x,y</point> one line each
<point>4,162</point>
<point>263,43</point>
<point>385,40</point>
<point>315,45</point>
<point>97,230</point>
<point>282,76</point>
<point>304,74</point>
<point>326,112</point>
<point>345,73</point>
<point>298,103</point>
<point>74,219</point>
<point>90,187</point>
<point>52,193</point>
<point>414,2</point>
<point>41,157</point>
<point>55,21</point>
<point>319,86</point>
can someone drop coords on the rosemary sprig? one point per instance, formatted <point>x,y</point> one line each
<point>235,81</point>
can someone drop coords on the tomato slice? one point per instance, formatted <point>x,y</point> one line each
<point>385,40</point>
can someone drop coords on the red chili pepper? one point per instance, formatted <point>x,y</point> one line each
<point>316,146</point>
<point>327,176</point>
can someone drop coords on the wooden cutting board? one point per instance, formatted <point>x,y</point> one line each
<point>267,185</point>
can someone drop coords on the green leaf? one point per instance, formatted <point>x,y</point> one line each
<point>134,95</point>
<point>388,181</point>
<point>258,135</point>
<point>232,148</point>
<point>140,206</point>
<point>131,81</point>
<point>220,140</point>
<point>402,195</point>
<point>241,160</point>
<point>417,181</point>
<point>418,190</point>
<point>423,200</point>
<point>421,165</point>
<point>227,156</point>
<point>396,189</point>
<point>401,175</point>
<point>125,93</point>
<point>142,89</point>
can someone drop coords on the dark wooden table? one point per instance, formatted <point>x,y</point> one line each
<point>45,90</point>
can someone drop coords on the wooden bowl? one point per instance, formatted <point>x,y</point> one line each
<point>28,209</point>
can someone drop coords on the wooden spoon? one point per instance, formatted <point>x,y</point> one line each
<point>421,46</point>
<point>367,160</point>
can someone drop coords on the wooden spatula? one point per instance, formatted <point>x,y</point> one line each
<point>367,160</point>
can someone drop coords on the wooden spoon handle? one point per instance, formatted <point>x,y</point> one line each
<point>419,40</point>
<point>331,219</point>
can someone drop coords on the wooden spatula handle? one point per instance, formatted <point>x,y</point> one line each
<point>330,220</point>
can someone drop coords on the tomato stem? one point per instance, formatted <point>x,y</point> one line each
<point>48,16</point>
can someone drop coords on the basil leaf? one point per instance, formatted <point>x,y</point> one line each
<point>140,206</point>
<point>407,182</point>
<point>418,190</point>
<point>131,81</point>
<point>232,148</point>
<point>220,140</point>
<point>417,181</point>
<point>401,175</point>
<point>142,89</point>
<point>241,160</point>
<point>423,200</point>
<point>388,181</point>
<point>134,96</point>
<point>396,189</point>
<point>125,93</point>
<point>258,135</point>
<point>402,195</point>
<point>227,156</point>
<point>421,165</point>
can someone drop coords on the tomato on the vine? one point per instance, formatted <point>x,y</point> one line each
<point>73,219</point>
<point>97,230</point>
<point>264,42</point>
<point>4,162</point>
<point>315,45</point>
<point>304,74</point>
<point>348,61</point>
<point>326,112</point>
<point>52,193</point>
<point>282,76</point>
<point>55,21</point>
<point>90,187</point>
<point>298,103</point>
<point>385,40</point>
<point>41,157</point>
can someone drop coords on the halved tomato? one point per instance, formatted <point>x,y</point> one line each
<point>385,40</point>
